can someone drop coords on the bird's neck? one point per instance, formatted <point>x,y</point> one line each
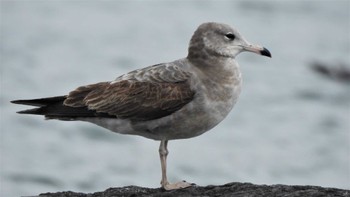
<point>217,68</point>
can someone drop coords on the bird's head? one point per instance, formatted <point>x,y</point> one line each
<point>217,39</point>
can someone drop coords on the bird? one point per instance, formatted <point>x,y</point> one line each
<point>168,101</point>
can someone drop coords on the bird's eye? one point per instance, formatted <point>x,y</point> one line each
<point>230,36</point>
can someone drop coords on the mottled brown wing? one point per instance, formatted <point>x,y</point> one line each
<point>132,99</point>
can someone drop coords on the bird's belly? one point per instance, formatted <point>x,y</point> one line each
<point>200,115</point>
<point>195,118</point>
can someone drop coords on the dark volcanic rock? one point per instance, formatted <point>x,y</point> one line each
<point>338,72</point>
<point>230,189</point>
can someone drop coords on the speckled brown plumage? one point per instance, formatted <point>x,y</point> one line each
<point>132,99</point>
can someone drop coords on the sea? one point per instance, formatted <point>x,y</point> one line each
<point>291,125</point>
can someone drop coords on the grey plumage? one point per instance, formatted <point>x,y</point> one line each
<point>175,100</point>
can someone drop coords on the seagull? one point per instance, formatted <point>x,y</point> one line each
<point>176,100</point>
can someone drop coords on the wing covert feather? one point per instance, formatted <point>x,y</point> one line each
<point>132,99</point>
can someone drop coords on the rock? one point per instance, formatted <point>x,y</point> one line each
<point>230,189</point>
<point>338,72</point>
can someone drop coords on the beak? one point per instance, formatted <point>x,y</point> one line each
<point>257,49</point>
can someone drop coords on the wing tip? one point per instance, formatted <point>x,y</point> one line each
<point>40,102</point>
<point>16,101</point>
<point>30,111</point>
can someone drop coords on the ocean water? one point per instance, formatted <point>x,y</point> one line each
<point>290,125</point>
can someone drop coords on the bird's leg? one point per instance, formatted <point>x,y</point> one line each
<point>163,153</point>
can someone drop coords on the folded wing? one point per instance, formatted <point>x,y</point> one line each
<point>145,94</point>
<point>132,99</point>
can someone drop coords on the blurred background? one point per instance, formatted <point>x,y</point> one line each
<point>291,124</point>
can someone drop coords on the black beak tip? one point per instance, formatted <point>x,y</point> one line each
<point>265,52</point>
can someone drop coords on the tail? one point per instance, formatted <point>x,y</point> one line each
<point>53,108</point>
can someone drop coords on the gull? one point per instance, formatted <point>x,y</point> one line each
<point>168,101</point>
